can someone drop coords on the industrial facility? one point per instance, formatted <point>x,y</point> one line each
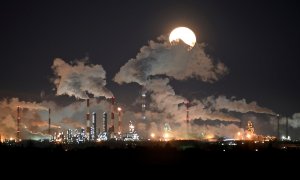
<point>93,133</point>
<point>112,122</point>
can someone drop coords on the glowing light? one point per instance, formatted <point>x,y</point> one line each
<point>248,136</point>
<point>209,136</point>
<point>184,34</point>
<point>119,109</point>
<point>152,135</point>
<point>166,135</point>
<point>239,133</point>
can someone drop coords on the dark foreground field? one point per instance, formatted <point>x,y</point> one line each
<point>177,154</point>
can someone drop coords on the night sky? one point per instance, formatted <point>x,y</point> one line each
<point>257,41</point>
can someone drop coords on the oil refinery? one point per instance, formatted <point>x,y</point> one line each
<point>111,129</point>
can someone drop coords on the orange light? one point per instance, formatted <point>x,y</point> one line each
<point>152,135</point>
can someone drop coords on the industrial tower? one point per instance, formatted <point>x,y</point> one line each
<point>88,120</point>
<point>187,120</point>
<point>18,124</point>
<point>112,126</point>
<point>119,120</point>
<point>49,122</point>
<point>104,121</point>
<point>143,93</point>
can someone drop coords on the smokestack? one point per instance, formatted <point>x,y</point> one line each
<point>187,112</point>
<point>49,122</point>
<point>187,104</point>
<point>287,127</point>
<point>119,120</point>
<point>112,115</point>
<point>104,121</point>
<point>143,104</point>
<point>18,124</point>
<point>88,121</point>
<point>278,118</point>
<point>94,127</point>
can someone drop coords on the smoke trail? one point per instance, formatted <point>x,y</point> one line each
<point>78,79</point>
<point>165,100</point>
<point>223,103</point>
<point>15,102</point>
<point>176,61</point>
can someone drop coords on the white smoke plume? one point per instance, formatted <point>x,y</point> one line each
<point>74,115</point>
<point>28,113</point>
<point>78,79</point>
<point>15,102</point>
<point>171,106</point>
<point>293,122</point>
<point>176,61</point>
<point>241,106</point>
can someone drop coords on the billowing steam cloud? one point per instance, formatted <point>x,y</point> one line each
<point>8,116</point>
<point>165,100</point>
<point>179,62</point>
<point>223,103</point>
<point>176,61</point>
<point>73,115</point>
<point>78,79</point>
<point>295,120</point>
<point>13,103</point>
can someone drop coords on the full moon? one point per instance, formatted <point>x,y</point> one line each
<point>184,34</point>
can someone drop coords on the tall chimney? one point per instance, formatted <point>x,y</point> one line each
<point>187,104</point>
<point>49,122</point>
<point>287,127</point>
<point>119,120</point>
<point>94,126</point>
<point>88,120</point>
<point>278,118</point>
<point>144,103</point>
<point>18,124</point>
<point>112,114</point>
<point>187,112</point>
<point>104,122</point>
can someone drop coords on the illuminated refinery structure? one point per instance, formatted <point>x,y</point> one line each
<point>250,135</point>
<point>90,132</point>
<point>119,123</point>
<point>132,134</point>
